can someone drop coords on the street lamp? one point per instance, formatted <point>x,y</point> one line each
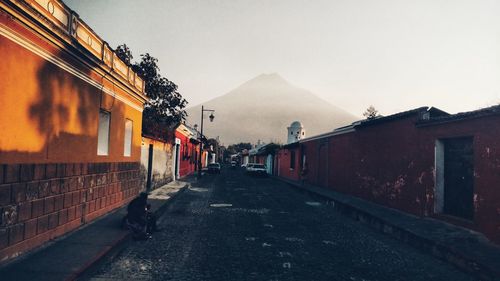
<point>211,117</point>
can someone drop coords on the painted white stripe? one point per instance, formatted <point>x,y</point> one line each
<point>11,35</point>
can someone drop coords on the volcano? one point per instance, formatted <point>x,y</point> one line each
<point>262,109</point>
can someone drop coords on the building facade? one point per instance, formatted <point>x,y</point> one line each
<point>71,125</point>
<point>157,160</point>
<point>186,151</point>
<point>296,132</point>
<point>423,161</point>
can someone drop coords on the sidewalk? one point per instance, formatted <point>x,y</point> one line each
<point>69,256</point>
<point>464,248</point>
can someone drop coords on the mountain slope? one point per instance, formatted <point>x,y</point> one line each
<point>263,108</point>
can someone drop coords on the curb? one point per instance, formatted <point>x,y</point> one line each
<point>99,257</point>
<point>121,240</point>
<point>461,260</point>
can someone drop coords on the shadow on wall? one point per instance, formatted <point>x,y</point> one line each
<point>64,102</point>
<point>58,114</point>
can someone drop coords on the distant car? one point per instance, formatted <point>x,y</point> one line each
<point>249,167</point>
<point>213,168</point>
<point>233,164</point>
<point>259,169</point>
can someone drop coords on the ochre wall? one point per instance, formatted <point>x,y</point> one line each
<point>49,114</point>
<point>51,178</point>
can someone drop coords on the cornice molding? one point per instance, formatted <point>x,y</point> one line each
<point>68,37</point>
<point>16,38</point>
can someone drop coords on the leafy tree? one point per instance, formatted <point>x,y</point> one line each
<point>235,148</point>
<point>124,53</point>
<point>165,105</point>
<point>370,112</point>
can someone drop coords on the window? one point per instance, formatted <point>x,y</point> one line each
<point>127,146</point>
<point>292,159</point>
<point>103,133</point>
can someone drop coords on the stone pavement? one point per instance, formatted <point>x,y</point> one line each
<point>232,226</point>
<point>70,256</point>
<point>469,250</point>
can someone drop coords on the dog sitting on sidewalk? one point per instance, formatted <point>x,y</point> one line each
<point>139,219</point>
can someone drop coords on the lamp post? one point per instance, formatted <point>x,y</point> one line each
<point>211,117</point>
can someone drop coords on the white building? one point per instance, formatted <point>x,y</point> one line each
<point>296,132</point>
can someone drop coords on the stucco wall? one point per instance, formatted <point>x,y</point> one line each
<point>393,164</point>
<point>188,156</point>
<point>162,172</point>
<point>51,178</point>
<point>282,163</point>
<point>51,115</point>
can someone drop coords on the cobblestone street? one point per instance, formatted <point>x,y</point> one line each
<point>236,227</point>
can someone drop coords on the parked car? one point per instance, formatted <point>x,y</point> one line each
<point>213,168</point>
<point>249,167</point>
<point>257,169</point>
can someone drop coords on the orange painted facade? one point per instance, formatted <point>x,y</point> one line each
<point>56,76</point>
<point>49,111</point>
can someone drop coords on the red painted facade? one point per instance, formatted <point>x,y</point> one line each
<point>188,152</point>
<point>285,167</point>
<point>391,162</point>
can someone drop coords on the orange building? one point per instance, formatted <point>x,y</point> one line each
<point>70,124</point>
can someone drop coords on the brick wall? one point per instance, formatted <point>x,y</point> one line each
<point>39,202</point>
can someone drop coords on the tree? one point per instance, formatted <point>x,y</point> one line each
<point>371,112</point>
<point>165,105</point>
<point>235,148</point>
<point>124,53</point>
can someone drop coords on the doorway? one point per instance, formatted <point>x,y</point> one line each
<point>323,164</point>
<point>150,167</point>
<point>177,156</point>
<point>455,177</point>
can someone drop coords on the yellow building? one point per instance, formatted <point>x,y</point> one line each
<point>70,125</point>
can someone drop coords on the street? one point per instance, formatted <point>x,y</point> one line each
<point>236,227</point>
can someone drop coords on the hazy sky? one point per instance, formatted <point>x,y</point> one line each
<point>394,54</point>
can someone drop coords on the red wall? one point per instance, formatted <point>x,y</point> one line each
<point>187,157</point>
<point>486,146</point>
<point>282,164</point>
<point>392,164</point>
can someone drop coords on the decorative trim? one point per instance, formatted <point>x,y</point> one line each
<point>43,25</point>
<point>11,35</point>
